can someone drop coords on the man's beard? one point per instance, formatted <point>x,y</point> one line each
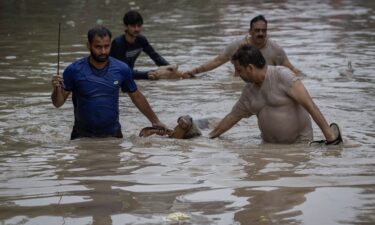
<point>247,80</point>
<point>99,58</point>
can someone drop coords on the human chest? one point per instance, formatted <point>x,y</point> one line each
<point>91,83</point>
<point>271,94</point>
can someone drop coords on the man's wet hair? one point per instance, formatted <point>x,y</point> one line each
<point>256,19</point>
<point>132,17</point>
<point>248,54</point>
<point>100,31</point>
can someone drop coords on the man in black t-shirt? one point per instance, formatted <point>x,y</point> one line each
<point>128,47</point>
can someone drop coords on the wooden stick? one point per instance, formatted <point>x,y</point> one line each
<point>58,51</point>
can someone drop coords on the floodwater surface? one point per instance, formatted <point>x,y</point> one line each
<point>236,179</point>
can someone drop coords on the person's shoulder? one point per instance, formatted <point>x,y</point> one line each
<point>117,63</point>
<point>284,69</point>
<point>245,39</point>
<point>232,47</point>
<point>242,39</point>
<point>273,43</point>
<point>142,39</point>
<point>78,64</point>
<point>118,41</point>
<point>282,72</point>
<point>76,68</point>
<point>119,38</point>
<point>278,69</point>
<point>238,41</point>
<point>274,72</point>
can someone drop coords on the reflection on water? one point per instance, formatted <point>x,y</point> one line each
<point>47,179</point>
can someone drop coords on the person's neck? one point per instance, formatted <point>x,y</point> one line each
<point>257,45</point>
<point>261,76</point>
<point>96,64</point>
<point>129,38</point>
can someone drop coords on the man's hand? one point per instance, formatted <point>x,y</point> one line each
<point>159,125</point>
<point>59,95</point>
<point>225,124</point>
<point>187,74</point>
<point>152,75</point>
<point>57,81</point>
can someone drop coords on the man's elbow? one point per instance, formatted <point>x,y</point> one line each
<point>136,96</point>
<point>57,104</point>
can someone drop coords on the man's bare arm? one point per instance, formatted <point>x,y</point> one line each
<point>299,93</point>
<point>144,107</point>
<point>59,95</point>
<point>225,124</point>
<point>210,65</point>
<point>296,71</point>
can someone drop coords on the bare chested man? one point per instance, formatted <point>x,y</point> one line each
<point>278,99</point>
<point>272,52</point>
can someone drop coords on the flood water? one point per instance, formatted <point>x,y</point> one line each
<point>47,179</point>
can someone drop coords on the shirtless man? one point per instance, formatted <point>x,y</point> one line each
<point>278,99</point>
<point>272,52</point>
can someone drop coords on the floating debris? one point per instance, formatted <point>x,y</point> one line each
<point>177,217</point>
<point>99,22</point>
<point>348,72</point>
<point>11,57</point>
<point>71,23</point>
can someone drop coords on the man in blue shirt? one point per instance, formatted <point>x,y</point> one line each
<point>95,82</point>
<point>128,46</point>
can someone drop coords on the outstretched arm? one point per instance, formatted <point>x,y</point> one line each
<point>225,124</point>
<point>142,104</point>
<point>299,93</point>
<point>210,65</point>
<point>156,57</point>
<point>59,95</point>
<point>288,64</point>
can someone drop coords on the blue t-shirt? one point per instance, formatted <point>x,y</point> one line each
<point>96,96</point>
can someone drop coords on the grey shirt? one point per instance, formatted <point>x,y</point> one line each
<point>272,52</point>
<point>280,118</point>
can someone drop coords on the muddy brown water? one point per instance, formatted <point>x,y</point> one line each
<point>47,179</point>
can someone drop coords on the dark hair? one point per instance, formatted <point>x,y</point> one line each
<point>132,17</point>
<point>256,19</point>
<point>248,54</point>
<point>99,30</point>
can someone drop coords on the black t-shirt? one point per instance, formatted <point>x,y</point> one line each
<point>129,52</point>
